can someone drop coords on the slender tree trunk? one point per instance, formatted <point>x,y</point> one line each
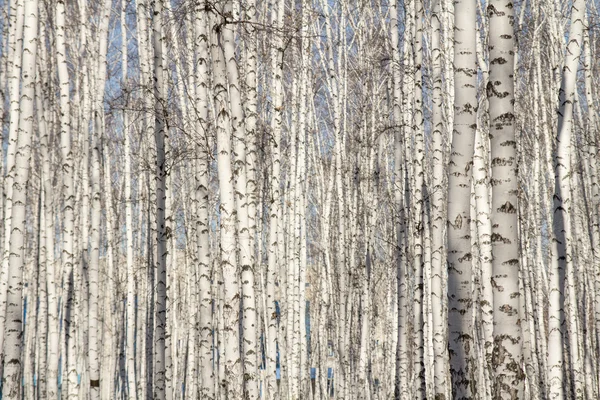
<point>231,381</point>
<point>275,257</point>
<point>437,209</point>
<point>245,256</point>
<point>11,379</point>
<point>562,269</point>
<point>205,300</point>
<point>15,54</point>
<point>51,347</point>
<point>507,355</point>
<point>418,177</point>
<point>401,383</point>
<point>460,299</point>
<point>131,294</point>
<point>160,128</point>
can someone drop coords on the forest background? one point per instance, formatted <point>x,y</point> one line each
<point>299,199</point>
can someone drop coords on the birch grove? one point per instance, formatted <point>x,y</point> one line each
<point>310,199</point>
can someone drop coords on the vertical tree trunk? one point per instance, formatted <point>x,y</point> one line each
<point>205,300</point>
<point>231,381</point>
<point>130,321</point>
<point>460,299</point>
<point>437,211</point>
<point>507,355</point>
<point>15,54</point>
<point>160,128</point>
<point>245,256</point>
<point>402,346</point>
<point>94,265</point>
<point>274,256</point>
<point>562,263</point>
<point>11,379</point>
<point>419,188</point>
<point>48,386</point>
<point>68,189</point>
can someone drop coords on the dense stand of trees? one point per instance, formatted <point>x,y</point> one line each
<point>219,199</point>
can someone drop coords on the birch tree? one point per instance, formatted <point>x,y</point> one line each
<point>562,270</point>
<point>160,340</point>
<point>508,382</point>
<point>11,378</point>
<point>202,230</point>
<point>231,381</point>
<point>460,300</point>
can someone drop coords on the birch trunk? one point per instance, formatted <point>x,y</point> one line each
<point>507,356</point>
<point>437,211</point>
<point>15,55</point>
<point>11,379</point>
<point>460,258</point>
<point>52,345</point>
<point>245,256</point>
<point>418,217</point>
<point>94,267</point>
<point>231,382</point>
<point>68,190</point>
<point>130,300</point>
<point>274,256</point>
<point>202,230</point>
<point>562,275</point>
<point>401,383</point>
<point>160,128</point>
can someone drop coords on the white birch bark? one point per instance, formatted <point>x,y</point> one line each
<point>484,233</point>
<point>460,300</point>
<point>15,55</point>
<point>507,355</point>
<point>94,263</point>
<point>94,267</point>
<point>202,229</point>
<point>561,272</point>
<point>130,307</point>
<point>251,120</point>
<point>299,345</point>
<point>402,345</point>
<point>245,256</point>
<point>419,187</point>
<point>160,128</point>
<point>11,378</point>
<point>437,211</point>
<point>591,161</point>
<point>67,256</point>
<point>275,256</point>
<point>50,390</point>
<point>231,381</point>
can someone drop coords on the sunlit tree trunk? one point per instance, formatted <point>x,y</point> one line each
<point>49,388</point>
<point>231,382</point>
<point>459,192</point>
<point>160,128</point>
<point>401,383</point>
<point>418,179</point>
<point>202,226</point>
<point>507,354</point>
<point>245,256</point>
<point>68,190</point>
<point>274,255</point>
<point>562,274</point>
<point>94,263</point>
<point>591,160</point>
<point>130,321</point>
<point>437,210</point>
<point>15,54</point>
<point>11,379</point>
